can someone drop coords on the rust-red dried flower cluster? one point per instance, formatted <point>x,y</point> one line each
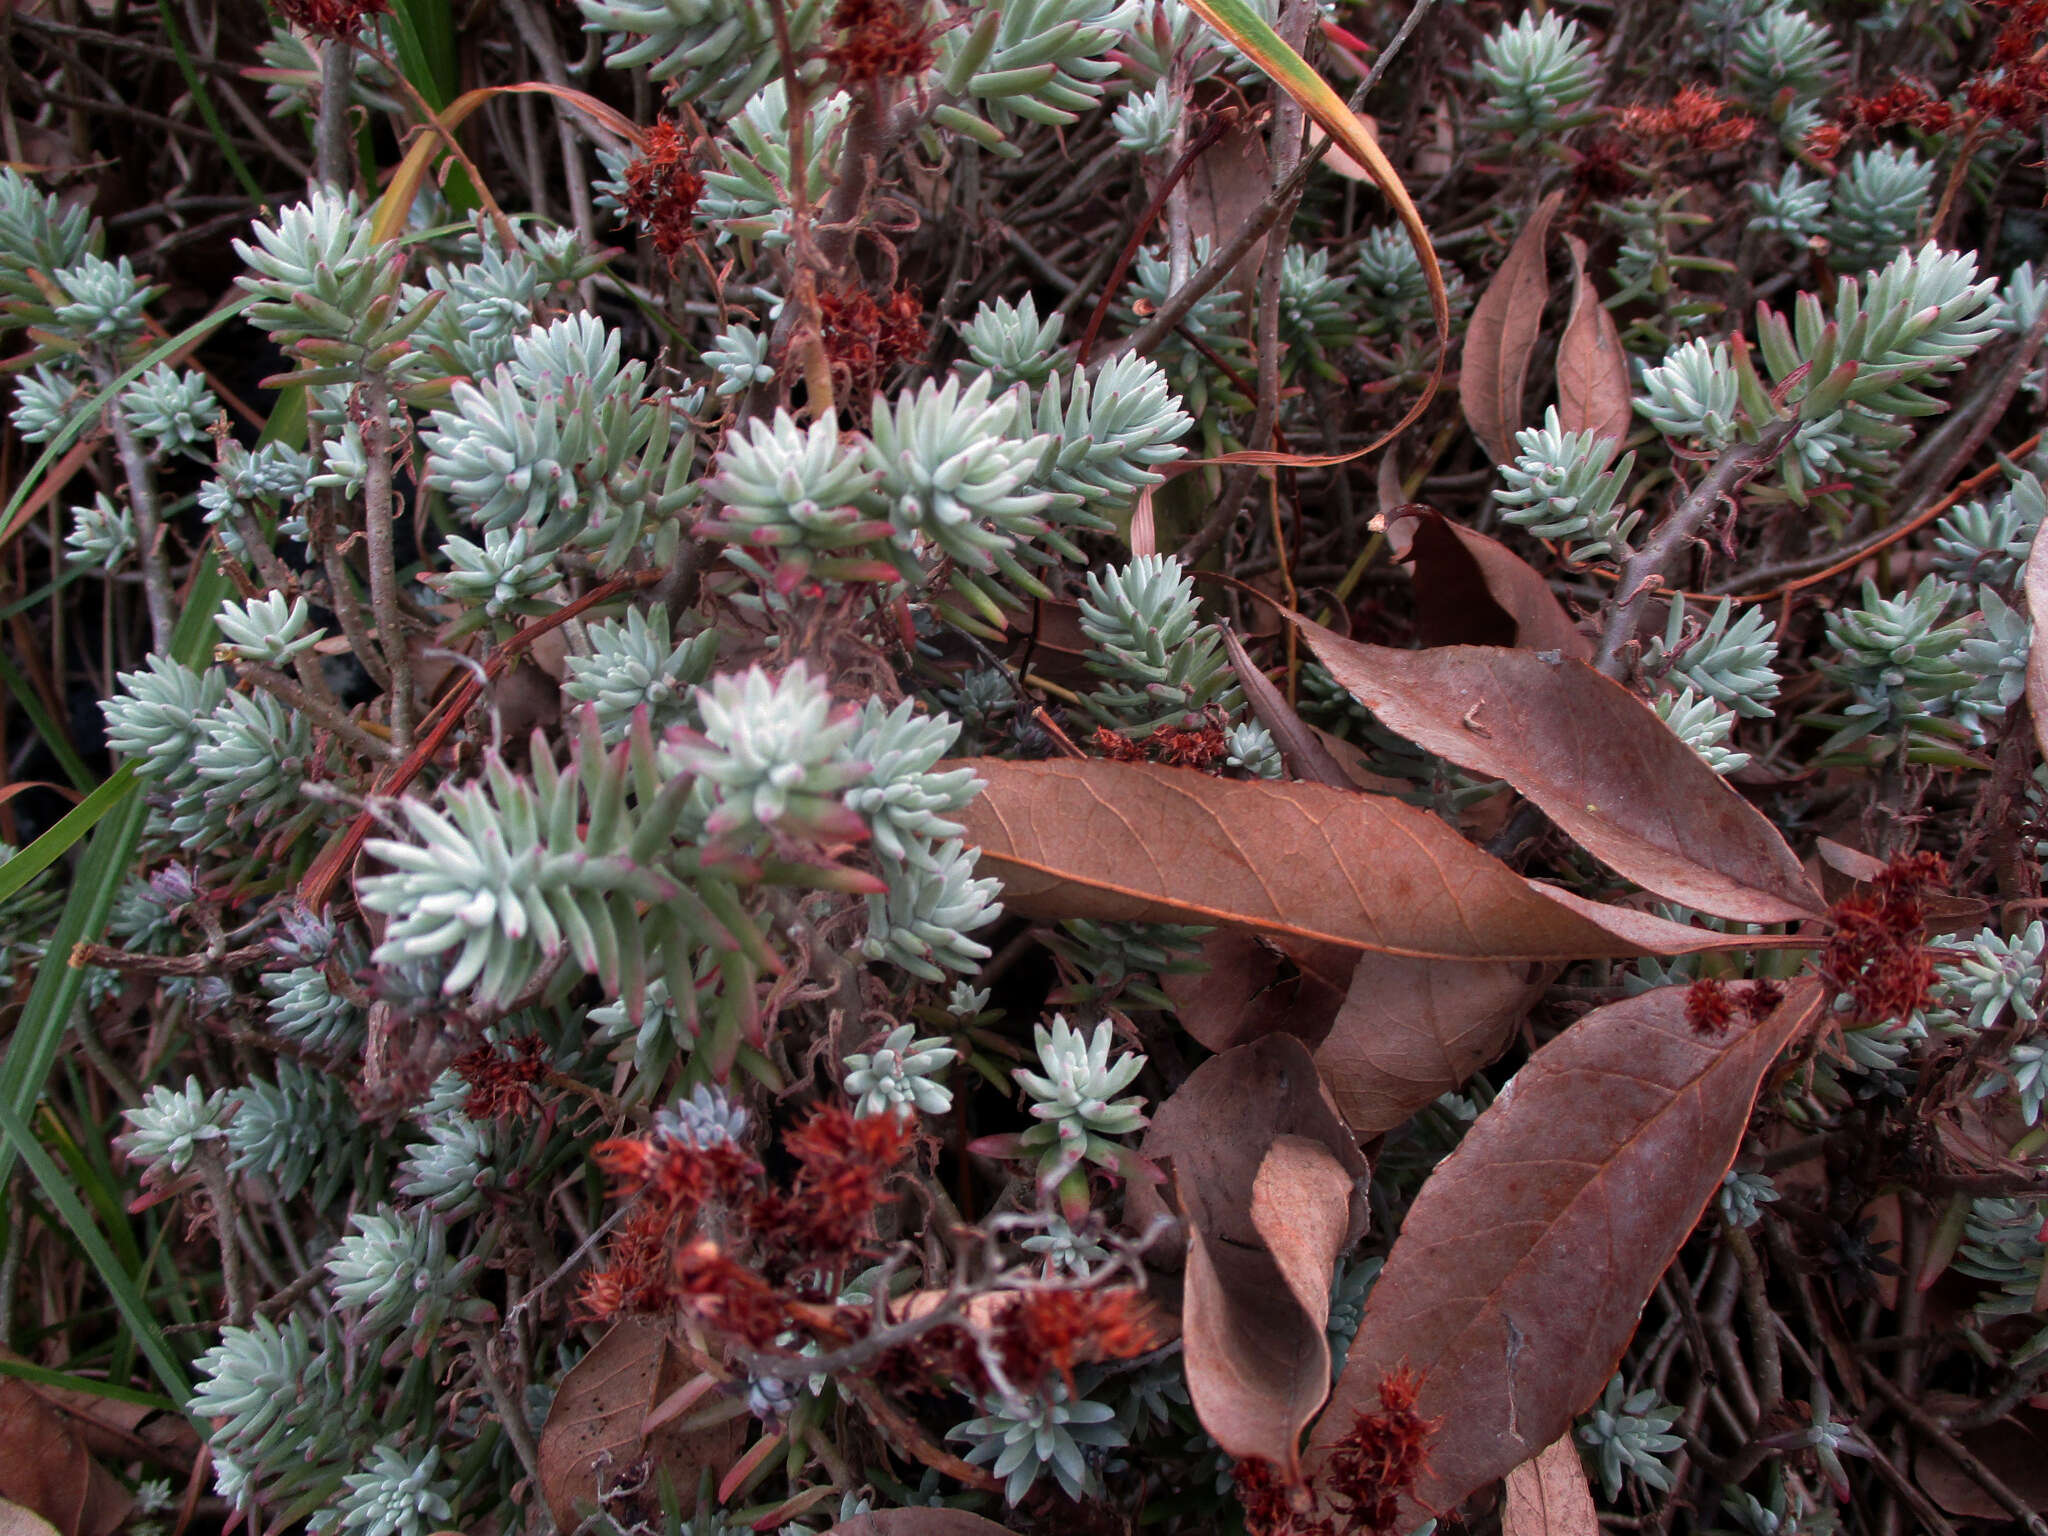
<point>1202,748</point>
<point>331,18</point>
<point>1374,1466</point>
<point>1695,121</point>
<point>1876,956</point>
<point>662,190</point>
<point>865,339</point>
<point>879,40</point>
<point>501,1085</point>
<point>776,1246</point>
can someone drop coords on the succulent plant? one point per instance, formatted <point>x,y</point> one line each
<point>901,1076</point>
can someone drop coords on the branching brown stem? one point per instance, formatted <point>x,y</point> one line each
<point>1644,568</point>
<point>377,525</point>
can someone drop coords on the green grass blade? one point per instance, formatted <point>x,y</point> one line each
<point>127,1299</point>
<point>59,744</point>
<point>426,48</point>
<point>108,857</point>
<point>64,1381</point>
<point>55,843</point>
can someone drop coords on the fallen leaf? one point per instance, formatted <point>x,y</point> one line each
<point>1143,843</point>
<point>45,1467</point>
<point>1410,1031</point>
<point>1595,757</point>
<point>1593,391</point>
<point>1224,187</point>
<point>2014,1449</point>
<point>1473,590</point>
<point>1548,1496</point>
<point>1270,1183</point>
<point>1300,748</point>
<point>1253,987</point>
<point>2036,588</point>
<point>20,1520</point>
<point>1502,333</point>
<point>1524,1263</point>
<point>918,1522</point>
<point>594,1428</point>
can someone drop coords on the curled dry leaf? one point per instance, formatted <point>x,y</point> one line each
<point>20,1520</point>
<point>2014,1450</point>
<point>1302,862</point>
<point>1595,757</point>
<point>46,1468</point>
<point>1593,393</point>
<point>1225,186</point>
<point>918,1522</point>
<point>1548,1496</point>
<point>595,1428</point>
<point>2036,587</point>
<point>1502,333</point>
<point>1270,1184</point>
<point>1254,987</point>
<point>1410,1031</point>
<point>1523,1265</point>
<point>1300,747</point>
<point>1473,590</point>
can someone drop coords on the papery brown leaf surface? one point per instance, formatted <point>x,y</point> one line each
<point>1494,368</point>
<point>2014,1450</point>
<point>1595,757</point>
<point>1270,1183</point>
<point>1225,187</point>
<point>46,1468</point>
<point>1523,1265</point>
<point>20,1520</point>
<point>918,1522</point>
<point>1593,389</point>
<point>1144,843</point>
<point>1474,590</point>
<point>1253,987</point>
<point>599,1410</point>
<point>2036,589</point>
<point>1410,1031</point>
<point>1548,1496</point>
<point>1301,749</point>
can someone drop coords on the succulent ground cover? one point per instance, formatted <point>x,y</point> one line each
<point>926,768</point>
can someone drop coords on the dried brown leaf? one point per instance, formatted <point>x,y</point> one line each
<point>2036,587</point>
<point>1411,1031</point>
<point>1270,1183</point>
<point>1524,1263</point>
<point>1253,987</point>
<point>45,1467</point>
<point>1139,842</point>
<point>1593,392</point>
<point>1300,747</point>
<point>2014,1450</point>
<point>1502,333</point>
<point>595,1428</point>
<point>1548,1496</point>
<point>918,1522</point>
<point>1473,590</point>
<point>1595,757</point>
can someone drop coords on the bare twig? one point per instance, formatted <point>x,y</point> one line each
<point>377,521</point>
<point>157,590</point>
<point>332,142</point>
<point>1972,1466</point>
<point>1645,567</point>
